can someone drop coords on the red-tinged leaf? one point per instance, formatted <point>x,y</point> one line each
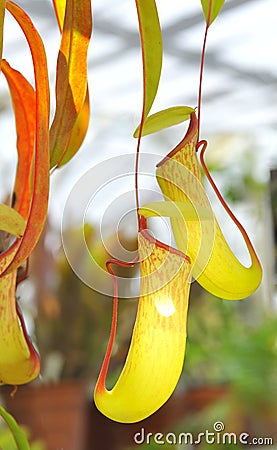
<point>211,9</point>
<point>164,119</point>
<point>78,133</point>
<point>80,127</point>
<point>2,15</point>
<point>59,7</point>
<point>11,221</point>
<point>19,362</point>
<point>39,201</point>
<point>152,51</point>
<point>24,105</point>
<point>71,82</point>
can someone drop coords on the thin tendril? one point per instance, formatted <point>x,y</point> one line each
<point>137,175</point>
<point>203,144</point>
<point>143,114</point>
<point>202,66</point>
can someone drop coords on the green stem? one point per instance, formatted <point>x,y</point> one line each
<point>202,66</point>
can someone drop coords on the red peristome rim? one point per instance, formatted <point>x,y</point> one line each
<point>143,230</point>
<point>188,136</point>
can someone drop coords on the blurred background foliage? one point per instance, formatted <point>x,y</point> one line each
<point>7,441</point>
<point>73,321</point>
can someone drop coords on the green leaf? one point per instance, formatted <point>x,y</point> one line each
<point>178,210</point>
<point>59,7</point>
<point>24,105</point>
<point>152,51</point>
<point>216,6</point>
<point>164,119</point>
<point>78,133</point>
<point>71,81</point>
<point>11,221</point>
<point>17,432</point>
